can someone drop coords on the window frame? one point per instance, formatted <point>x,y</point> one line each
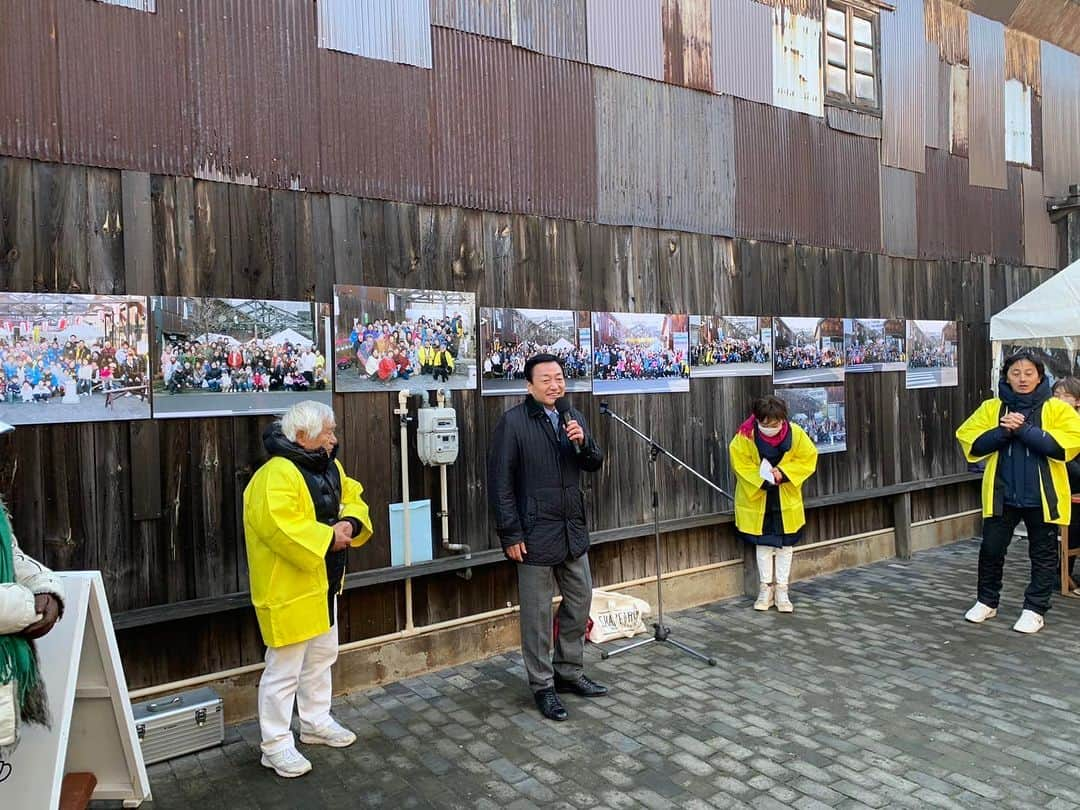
<point>871,12</point>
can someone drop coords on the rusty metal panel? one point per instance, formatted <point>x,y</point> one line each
<point>946,26</point>
<point>1056,21</point>
<point>1040,234</point>
<point>687,26</point>
<point>552,168</point>
<point>1018,122</point>
<point>903,86</point>
<point>255,110</point>
<point>1060,119</point>
<point>900,232</point>
<point>627,36</point>
<point>1007,218</point>
<point>986,103</point>
<point>29,80</point>
<point>786,181</point>
<point>489,18</point>
<point>375,128</point>
<point>552,27</point>
<point>391,30</point>
<point>696,190</point>
<point>742,49</point>
<point>797,62</point>
<point>138,5</point>
<point>958,109</point>
<point>124,96</point>
<point>471,103</point>
<point>936,110</point>
<point>857,123</point>
<point>628,118</point>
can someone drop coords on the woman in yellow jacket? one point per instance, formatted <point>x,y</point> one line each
<point>1025,436</point>
<point>771,458</point>
<point>301,514</point>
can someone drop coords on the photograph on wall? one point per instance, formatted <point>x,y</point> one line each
<point>820,412</point>
<point>390,339</point>
<point>730,346</point>
<point>73,358</point>
<point>640,354</point>
<point>808,350</point>
<point>509,337</point>
<point>875,344</point>
<point>234,356</point>
<point>932,354</point>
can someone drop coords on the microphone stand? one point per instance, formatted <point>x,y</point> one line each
<point>663,632</point>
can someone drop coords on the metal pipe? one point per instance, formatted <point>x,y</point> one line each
<point>402,411</point>
<point>445,515</point>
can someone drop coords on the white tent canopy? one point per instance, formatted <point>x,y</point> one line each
<point>562,345</point>
<point>1048,315</point>
<point>293,337</point>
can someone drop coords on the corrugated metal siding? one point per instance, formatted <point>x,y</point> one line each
<point>1018,122</point>
<point>489,18</point>
<point>29,97</point>
<point>786,170</point>
<point>857,123</point>
<point>553,27</point>
<point>375,128</point>
<point>947,27</point>
<point>1040,234</point>
<point>138,5</point>
<point>1056,21</point>
<point>627,36</point>
<point>1060,120</point>
<point>628,113</point>
<point>959,83</point>
<point>936,111</point>
<point>470,114</point>
<point>391,30</point>
<point>696,174</point>
<point>742,49</point>
<point>797,62</point>
<point>903,86</point>
<point>552,168</point>
<point>687,26</point>
<point>256,106</point>
<point>125,99</point>
<point>986,103</point>
<point>900,232</point>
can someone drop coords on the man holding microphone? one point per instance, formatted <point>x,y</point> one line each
<point>537,455</point>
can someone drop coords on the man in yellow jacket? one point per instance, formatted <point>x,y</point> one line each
<point>301,514</point>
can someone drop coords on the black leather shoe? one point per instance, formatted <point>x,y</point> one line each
<point>549,704</point>
<point>583,686</point>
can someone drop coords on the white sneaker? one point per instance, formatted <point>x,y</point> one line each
<point>764,597</point>
<point>288,763</point>
<point>333,734</point>
<point>1029,622</point>
<point>979,613</point>
<point>783,601</point>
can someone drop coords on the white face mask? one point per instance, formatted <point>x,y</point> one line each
<point>769,431</point>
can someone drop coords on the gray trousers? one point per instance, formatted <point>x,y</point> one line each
<point>536,589</point>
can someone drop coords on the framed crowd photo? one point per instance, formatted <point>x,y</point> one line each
<point>73,358</point>
<point>391,339</point>
<point>237,356</point>
<point>509,337</point>
<point>875,344</point>
<point>808,350</point>
<point>730,346</point>
<point>932,354</point>
<point>640,353</point>
<point>820,412</point>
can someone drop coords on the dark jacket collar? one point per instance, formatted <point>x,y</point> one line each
<point>277,445</point>
<point>534,408</point>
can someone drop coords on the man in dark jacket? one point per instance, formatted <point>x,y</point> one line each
<point>534,470</point>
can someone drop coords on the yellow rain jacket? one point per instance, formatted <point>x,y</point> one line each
<point>798,464</point>
<point>1063,425</point>
<point>286,550</point>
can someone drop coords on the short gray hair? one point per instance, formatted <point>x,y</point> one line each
<point>308,417</point>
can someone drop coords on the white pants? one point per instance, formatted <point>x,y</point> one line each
<point>765,556</point>
<point>297,673</point>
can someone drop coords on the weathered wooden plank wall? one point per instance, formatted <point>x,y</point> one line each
<point>157,506</point>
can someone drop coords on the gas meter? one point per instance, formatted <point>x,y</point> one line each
<point>437,436</point>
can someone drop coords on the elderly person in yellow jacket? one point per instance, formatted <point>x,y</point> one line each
<point>301,514</point>
<point>1026,436</point>
<point>771,457</point>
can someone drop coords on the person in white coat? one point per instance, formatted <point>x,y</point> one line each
<point>31,602</point>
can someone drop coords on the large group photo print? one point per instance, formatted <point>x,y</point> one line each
<point>393,339</point>
<point>875,344</point>
<point>808,350</point>
<point>73,358</point>
<point>510,336</point>
<point>730,346</point>
<point>820,411</point>
<point>234,356</point>
<point>636,353</point>
<point>932,354</point>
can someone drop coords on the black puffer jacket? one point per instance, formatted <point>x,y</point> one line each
<point>324,485</point>
<point>534,484</point>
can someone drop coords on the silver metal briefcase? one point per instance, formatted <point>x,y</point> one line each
<point>173,725</point>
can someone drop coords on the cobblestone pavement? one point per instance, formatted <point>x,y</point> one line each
<point>875,693</point>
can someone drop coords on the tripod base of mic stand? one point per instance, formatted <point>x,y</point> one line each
<point>663,633</point>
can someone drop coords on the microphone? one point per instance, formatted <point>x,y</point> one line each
<point>562,405</point>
